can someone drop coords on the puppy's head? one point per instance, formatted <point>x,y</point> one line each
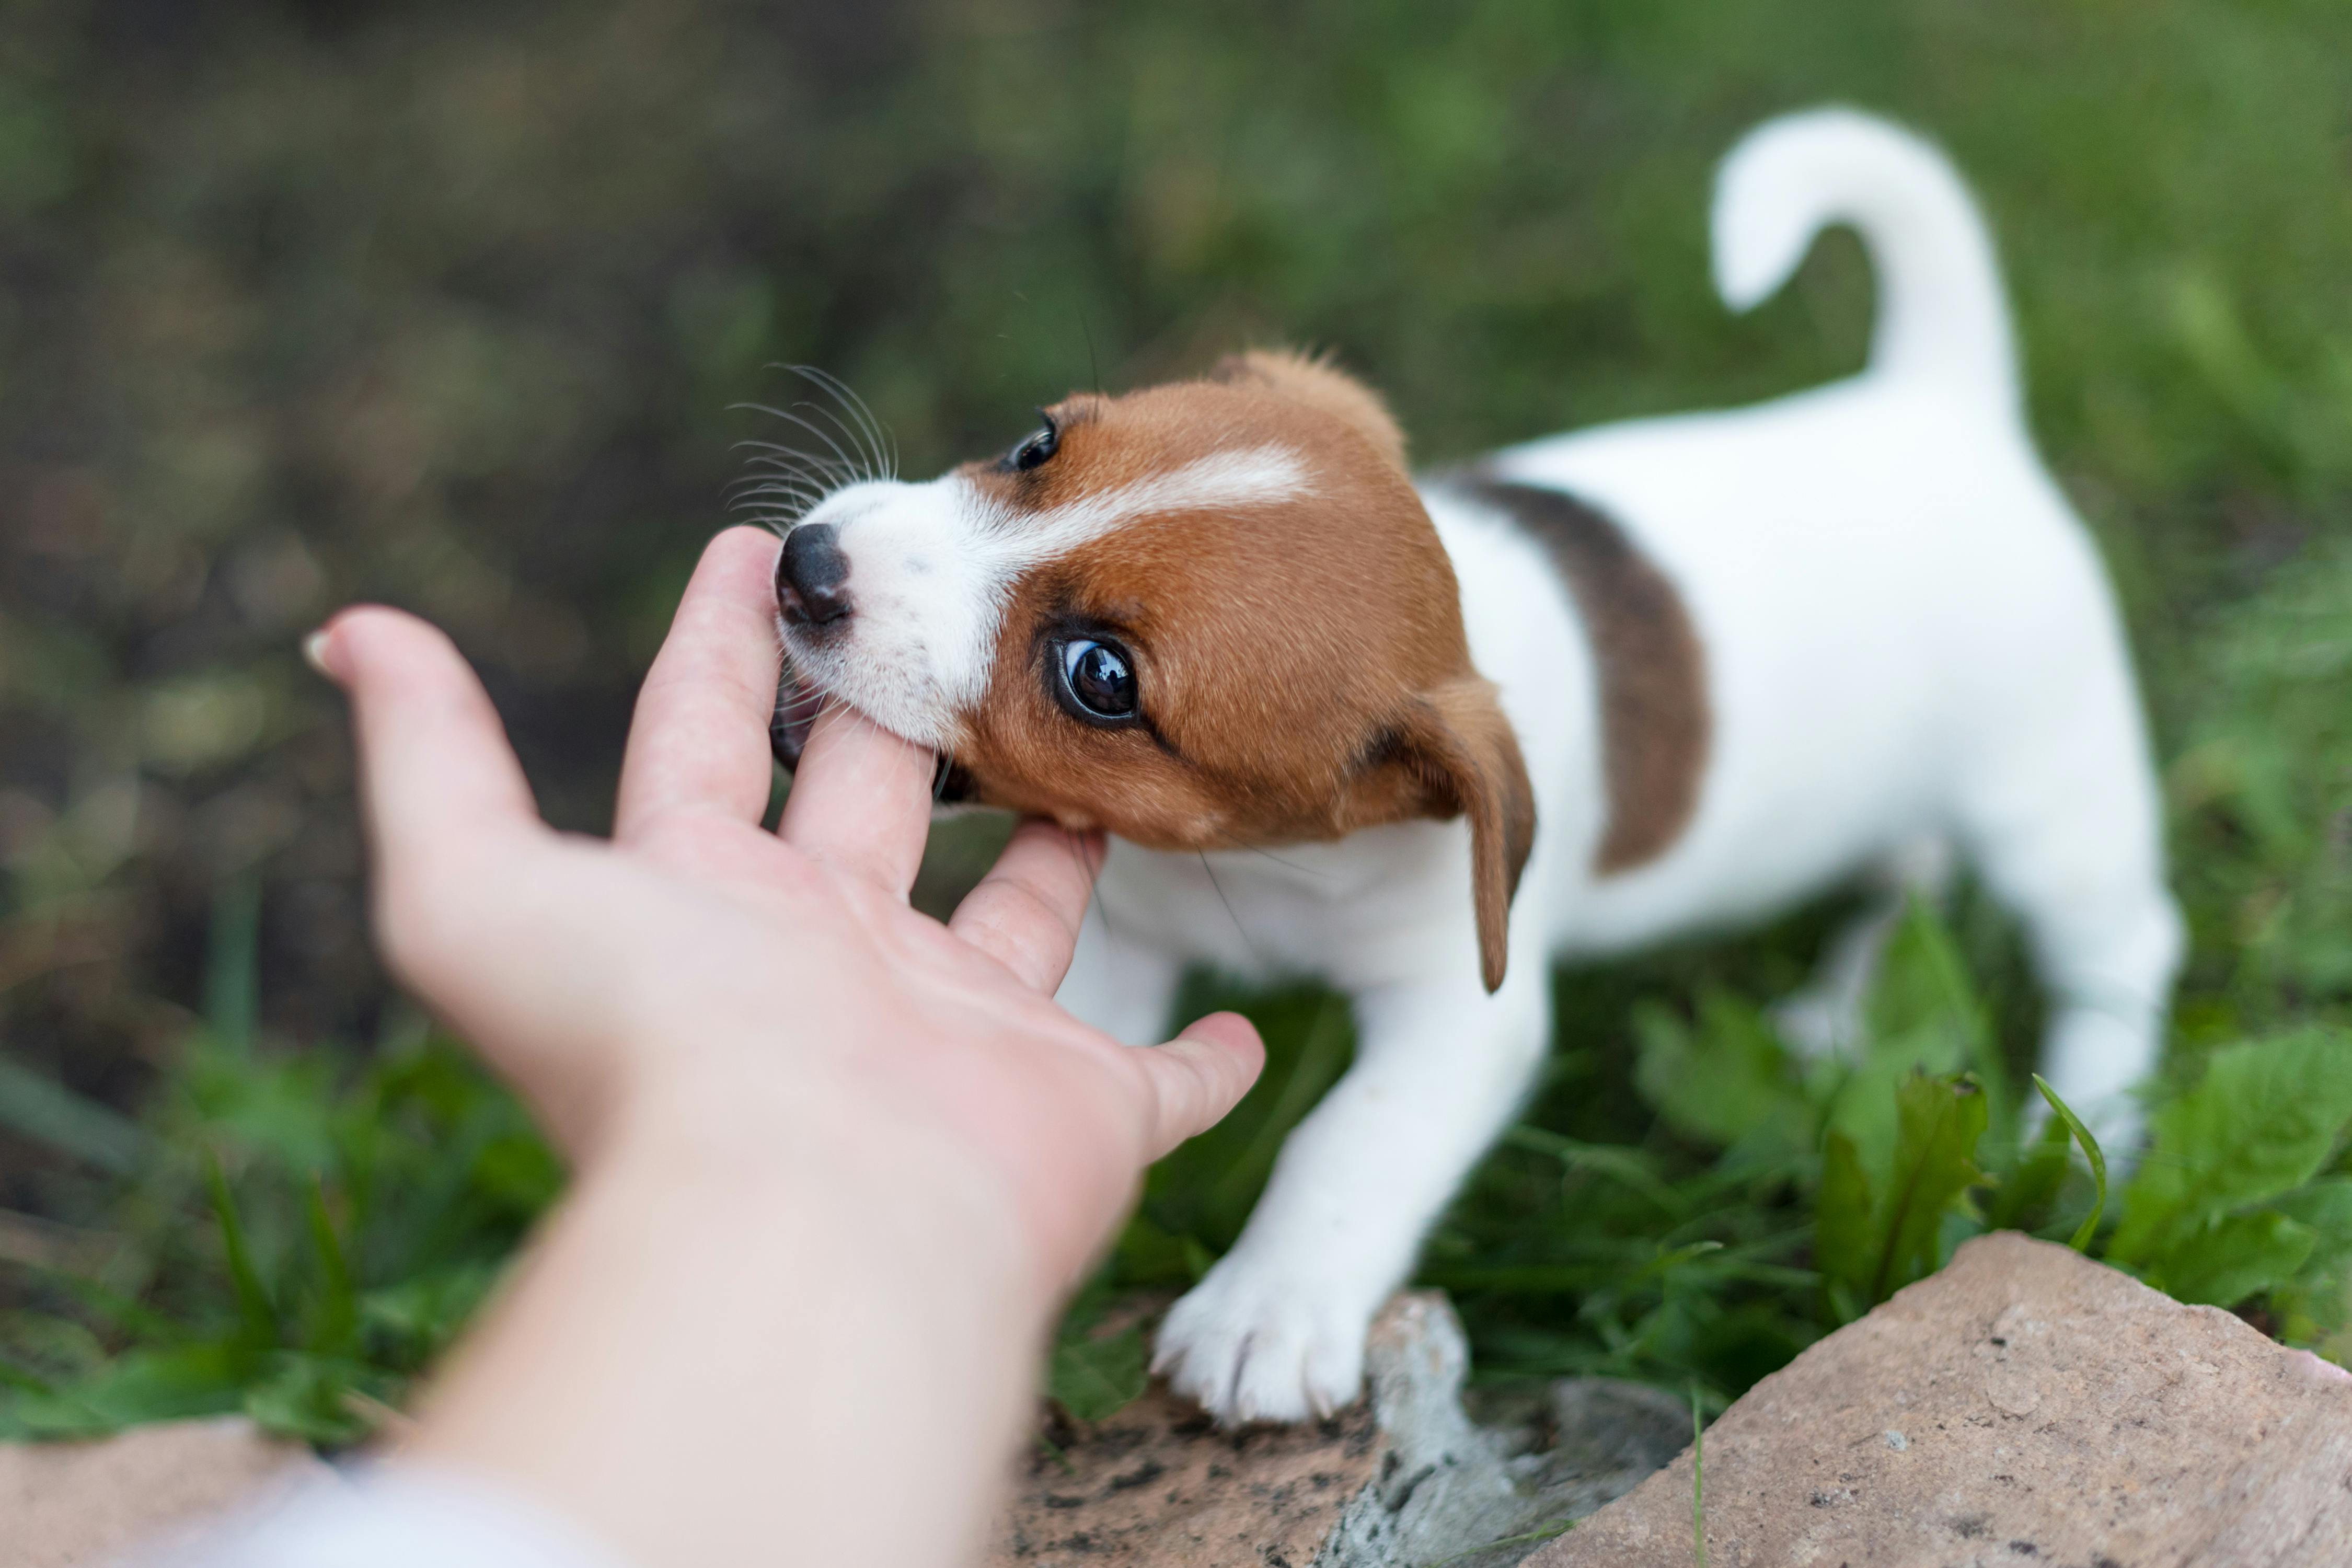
<point>1203,615</point>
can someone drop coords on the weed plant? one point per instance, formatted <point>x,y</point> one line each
<point>441,305</point>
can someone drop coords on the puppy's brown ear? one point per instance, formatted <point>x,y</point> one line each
<point>1314,380</point>
<point>1466,759</point>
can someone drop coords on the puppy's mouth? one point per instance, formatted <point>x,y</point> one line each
<point>798,703</point>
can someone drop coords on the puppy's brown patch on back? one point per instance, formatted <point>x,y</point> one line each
<point>1655,724</point>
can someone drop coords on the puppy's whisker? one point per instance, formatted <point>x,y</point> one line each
<point>783,455</point>
<point>1094,366</point>
<point>792,487</point>
<point>885,446</point>
<point>869,460</point>
<point>776,470</point>
<point>846,464</point>
<point>1264,854</point>
<point>793,502</point>
<point>859,456</point>
<point>1211,871</point>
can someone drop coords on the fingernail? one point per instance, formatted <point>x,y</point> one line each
<point>314,652</point>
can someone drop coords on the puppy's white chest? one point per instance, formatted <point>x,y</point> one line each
<point>1386,903</point>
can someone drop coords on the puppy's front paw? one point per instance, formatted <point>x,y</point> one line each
<point>1249,1345</point>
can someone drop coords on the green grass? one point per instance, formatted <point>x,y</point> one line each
<point>444,305</point>
<point>1698,1484</point>
<point>293,1236</point>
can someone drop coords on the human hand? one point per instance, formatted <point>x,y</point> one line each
<point>735,986</point>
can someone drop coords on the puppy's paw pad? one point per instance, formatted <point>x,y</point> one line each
<point>1252,1348</point>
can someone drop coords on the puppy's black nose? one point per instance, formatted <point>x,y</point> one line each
<point>812,576</point>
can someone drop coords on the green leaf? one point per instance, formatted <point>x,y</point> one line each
<point>1923,1008</point>
<point>38,1107</point>
<point>1721,1078</point>
<point>2073,1123</point>
<point>1843,1248</point>
<point>254,1308</point>
<point>2263,1121</point>
<point>16,1377</point>
<point>2027,1192</point>
<point>126,1316</point>
<point>2323,1206</point>
<point>1632,1168</point>
<point>232,966</point>
<point>1938,1121</point>
<point>1698,1483</point>
<point>1874,1233</point>
<point>166,1384</point>
<point>1092,1377</point>
<point>309,1397</point>
<point>2233,1258</point>
<point>423,1313</point>
<point>337,1328</point>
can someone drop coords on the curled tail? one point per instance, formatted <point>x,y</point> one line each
<point>1941,314</point>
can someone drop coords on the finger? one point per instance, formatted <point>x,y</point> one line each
<point>1026,913</point>
<point>1199,1076</point>
<point>699,738</point>
<point>861,799</point>
<point>436,771</point>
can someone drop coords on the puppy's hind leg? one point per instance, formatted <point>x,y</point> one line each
<point>1825,1017</point>
<point>1275,1331</point>
<point>2067,837</point>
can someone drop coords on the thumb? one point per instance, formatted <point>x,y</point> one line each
<point>1199,1076</point>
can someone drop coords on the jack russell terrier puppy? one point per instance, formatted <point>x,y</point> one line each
<point>1585,694</point>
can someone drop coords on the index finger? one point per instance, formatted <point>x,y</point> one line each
<point>1025,912</point>
<point>435,769</point>
<point>700,737</point>
<point>861,799</point>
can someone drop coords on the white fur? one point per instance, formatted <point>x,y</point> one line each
<point>1910,649</point>
<point>1910,643</point>
<point>1253,476</point>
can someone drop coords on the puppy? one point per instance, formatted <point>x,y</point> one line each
<point>1591,692</point>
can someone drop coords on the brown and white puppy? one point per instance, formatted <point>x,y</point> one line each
<point>1246,557</point>
<point>1414,740</point>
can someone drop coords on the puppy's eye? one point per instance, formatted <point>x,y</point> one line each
<point>1034,449</point>
<point>1097,680</point>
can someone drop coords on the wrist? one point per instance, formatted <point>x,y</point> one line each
<point>841,1155</point>
<point>787,1275</point>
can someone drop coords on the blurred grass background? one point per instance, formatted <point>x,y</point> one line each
<point>445,304</point>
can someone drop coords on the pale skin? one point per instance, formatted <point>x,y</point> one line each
<point>835,1164</point>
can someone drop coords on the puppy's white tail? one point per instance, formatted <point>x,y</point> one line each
<point>1941,316</point>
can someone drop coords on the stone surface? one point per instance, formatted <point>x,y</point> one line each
<point>2024,1406</point>
<point>1405,1479</point>
<point>81,1503</point>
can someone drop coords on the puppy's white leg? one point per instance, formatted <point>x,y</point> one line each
<point>1276,1332</point>
<point>1825,1017</point>
<point>1120,984</point>
<point>2067,838</point>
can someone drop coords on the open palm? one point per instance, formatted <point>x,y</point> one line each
<point>698,963</point>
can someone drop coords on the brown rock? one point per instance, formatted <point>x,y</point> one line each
<point>2024,1406</point>
<point>1405,1477</point>
<point>1157,1483</point>
<point>76,1503</point>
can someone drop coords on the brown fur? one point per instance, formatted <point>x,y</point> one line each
<point>1315,381</point>
<point>1302,663</point>
<point>1654,720</point>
